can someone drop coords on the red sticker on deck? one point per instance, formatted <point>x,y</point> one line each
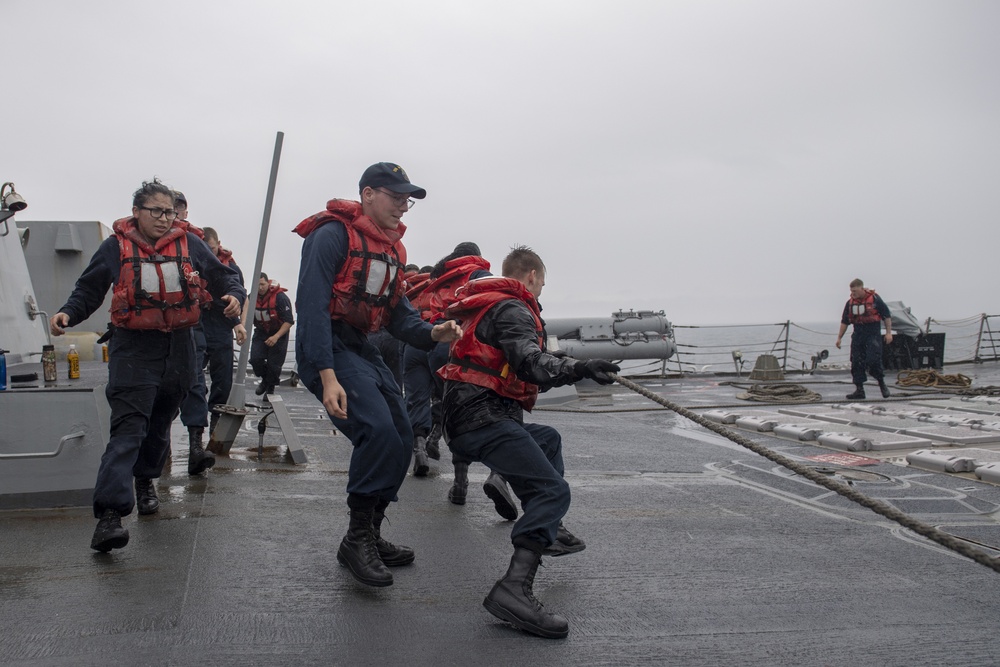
<point>845,459</point>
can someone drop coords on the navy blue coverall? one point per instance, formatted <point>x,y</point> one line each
<point>377,423</point>
<point>213,338</point>
<point>267,361</point>
<point>866,344</point>
<point>481,425</point>
<point>149,373</point>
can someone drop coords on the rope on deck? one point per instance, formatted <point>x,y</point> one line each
<point>931,378</point>
<point>877,506</point>
<point>779,394</point>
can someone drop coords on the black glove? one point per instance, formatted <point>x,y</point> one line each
<point>559,354</point>
<point>597,370</point>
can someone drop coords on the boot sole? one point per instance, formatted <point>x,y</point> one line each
<point>557,549</point>
<point>456,499</point>
<point>202,466</point>
<point>110,543</point>
<point>505,615</point>
<point>147,512</point>
<point>502,506</point>
<point>378,583</point>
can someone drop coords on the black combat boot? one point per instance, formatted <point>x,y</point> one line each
<point>434,443</point>
<point>420,465</point>
<point>884,389</point>
<point>496,488</point>
<point>391,554</point>
<point>460,488</point>
<point>860,393</point>
<point>109,534</point>
<point>512,599</point>
<point>198,459</point>
<point>146,501</point>
<point>359,553</point>
<point>566,543</point>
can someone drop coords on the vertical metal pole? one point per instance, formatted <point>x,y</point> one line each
<point>979,340</point>
<point>237,397</point>
<point>788,330</point>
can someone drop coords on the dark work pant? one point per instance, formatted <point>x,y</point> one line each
<point>267,361</point>
<point>194,409</point>
<point>529,457</point>
<point>219,357</point>
<point>149,373</point>
<point>377,423</point>
<point>866,355</point>
<point>423,385</point>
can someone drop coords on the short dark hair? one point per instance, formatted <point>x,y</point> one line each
<point>520,261</point>
<point>148,189</point>
<point>210,233</point>
<point>264,276</point>
<point>857,282</point>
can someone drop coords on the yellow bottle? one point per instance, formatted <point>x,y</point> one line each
<point>73,357</point>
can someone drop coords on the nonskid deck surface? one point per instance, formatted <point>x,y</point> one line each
<point>699,552</point>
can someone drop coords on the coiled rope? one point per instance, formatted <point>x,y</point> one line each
<point>779,394</point>
<point>877,506</point>
<point>931,378</point>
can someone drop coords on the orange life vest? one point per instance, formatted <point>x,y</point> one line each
<point>158,287</point>
<point>265,316</point>
<point>435,298</point>
<point>863,311</point>
<point>480,364</point>
<point>370,283</point>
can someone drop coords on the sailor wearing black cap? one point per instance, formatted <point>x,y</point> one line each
<point>351,284</point>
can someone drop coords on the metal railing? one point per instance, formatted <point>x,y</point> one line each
<point>734,349</point>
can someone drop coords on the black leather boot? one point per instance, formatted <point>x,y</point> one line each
<point>420,465</point>
<point>109,533</point>
<point>198,459</point>
<point>512,599</point>
<point>884,389</point>
<point>146,501</point>
<point>460,488</point>
<point>496,489</point>
<point>434,443</point>
<point>858,394</point>
<point>391,554</point>
<point>359,554</point>
<point>566,543</point>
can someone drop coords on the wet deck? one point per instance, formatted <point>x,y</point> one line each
<point>699,553</point>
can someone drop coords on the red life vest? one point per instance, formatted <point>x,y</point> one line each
<point>370,283</point>
<point>863,311</point>
<point>158,287</point>
<point>265,317</point>
<point>225,256</point>
<point>480,364</point>
<point>440,293</point>
<point>416,292</point>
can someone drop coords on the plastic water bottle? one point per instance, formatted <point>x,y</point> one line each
<point>3,370</point>
<point>73,357</point>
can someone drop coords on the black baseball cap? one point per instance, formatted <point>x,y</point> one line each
<point>391,177</point>
<point>180,198</point>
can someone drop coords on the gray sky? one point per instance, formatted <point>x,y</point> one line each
<point>722,161</point>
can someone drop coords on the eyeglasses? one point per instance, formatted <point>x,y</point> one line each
<point>157,213</point>
<point>398,200</point>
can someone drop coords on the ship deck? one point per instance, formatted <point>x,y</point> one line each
<point>699,552</point>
